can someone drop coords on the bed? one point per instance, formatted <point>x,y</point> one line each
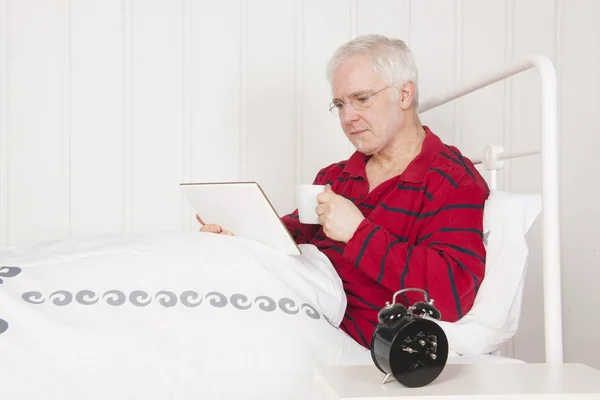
<point>195,315</point>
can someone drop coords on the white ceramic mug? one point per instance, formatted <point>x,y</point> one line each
<point>306,202</point>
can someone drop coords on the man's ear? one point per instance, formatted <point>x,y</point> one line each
<point>407,94</point>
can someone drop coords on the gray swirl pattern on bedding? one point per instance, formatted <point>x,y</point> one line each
<point>7,272</point>
<point>164,298</point>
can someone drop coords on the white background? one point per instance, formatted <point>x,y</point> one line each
<point>107,105</point>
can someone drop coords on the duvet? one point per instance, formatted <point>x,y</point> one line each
<point>167,316</point>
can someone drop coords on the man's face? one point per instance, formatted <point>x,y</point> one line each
<point>370,129</point>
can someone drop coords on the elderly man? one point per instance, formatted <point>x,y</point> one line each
<point>405,210</point>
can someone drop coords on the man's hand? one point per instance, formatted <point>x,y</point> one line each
<point>212,228</point>
<point>339,216</point>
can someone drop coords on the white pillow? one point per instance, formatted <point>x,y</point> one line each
<point>494,317</point>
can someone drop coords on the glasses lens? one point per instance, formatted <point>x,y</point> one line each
<point>334,109</point>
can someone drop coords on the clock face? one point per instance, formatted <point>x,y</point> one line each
<point>413,349</point>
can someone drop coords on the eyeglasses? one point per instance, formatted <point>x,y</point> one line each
<point>360,101</point>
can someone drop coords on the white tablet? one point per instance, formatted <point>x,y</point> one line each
<point>243,208</point>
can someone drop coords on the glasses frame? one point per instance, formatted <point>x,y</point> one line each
<point>339,112</point>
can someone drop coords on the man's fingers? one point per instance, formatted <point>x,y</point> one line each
<point>216,228</point>
<point>211,228</point>
<point>322,222</point>
<point>324,197</point>
<point>321,209</point>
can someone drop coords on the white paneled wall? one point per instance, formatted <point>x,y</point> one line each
<point>36,145</point>
<point>106,106</point>
<point>97,138</point>
<point>580,146</point>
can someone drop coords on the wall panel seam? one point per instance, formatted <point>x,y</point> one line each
<point>353,18</point>
<point>4,176</point>
<point>243,123</point>
<point>353,33</point>
<point>298,87</point>
<point>66,114</point>
<point>127,115</point>
<point>458,17</point>
<point>559,7</point>
<point>186,115</point>
<point>409,12</point>
<point>509,47</point>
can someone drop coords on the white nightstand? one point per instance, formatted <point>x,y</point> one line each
<point>469,381</point>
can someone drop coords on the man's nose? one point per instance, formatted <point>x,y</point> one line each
<point>350,114</point>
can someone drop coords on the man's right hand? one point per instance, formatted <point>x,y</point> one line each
<point>212,228</point>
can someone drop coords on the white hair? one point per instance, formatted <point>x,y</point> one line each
<point>391,59</point>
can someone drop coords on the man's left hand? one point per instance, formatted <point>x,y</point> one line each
<point>339,216</point>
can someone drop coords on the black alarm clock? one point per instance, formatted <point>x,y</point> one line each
<point>407,344</point>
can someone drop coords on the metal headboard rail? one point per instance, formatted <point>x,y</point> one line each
<point>550,196</point>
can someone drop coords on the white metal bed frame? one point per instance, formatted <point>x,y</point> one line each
<point>492,161</point>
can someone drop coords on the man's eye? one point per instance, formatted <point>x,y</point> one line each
<point>339,106</point>
<point>362,99</point>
